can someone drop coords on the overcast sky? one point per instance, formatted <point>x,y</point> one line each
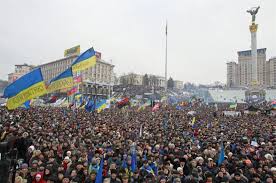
<point>202,34</point>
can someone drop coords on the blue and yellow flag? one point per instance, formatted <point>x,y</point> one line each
<point>25,88</point>
<point>85,60</point>
<point>62,81</point>
<point>101,106</point>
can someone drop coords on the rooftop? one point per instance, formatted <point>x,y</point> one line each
<point>72,57</point>
<point>248,52</point>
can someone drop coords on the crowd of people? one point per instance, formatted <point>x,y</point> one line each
<point>60,145</point>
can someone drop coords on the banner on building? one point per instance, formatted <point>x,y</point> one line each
<point>72,51</point>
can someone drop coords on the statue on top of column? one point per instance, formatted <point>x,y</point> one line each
<point>253,12</point>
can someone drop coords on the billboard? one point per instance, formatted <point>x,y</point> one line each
<point>72,51</point>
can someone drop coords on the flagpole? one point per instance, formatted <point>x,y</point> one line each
<point>166,57</point>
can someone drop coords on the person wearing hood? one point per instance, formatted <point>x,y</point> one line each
<point>48,174</point>
<point>38,178</point>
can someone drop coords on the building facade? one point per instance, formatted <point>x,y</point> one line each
<point>271,72</point>
<point>97,80</point>
<point>131,79</point>
<point>156,81</point>
<point>139,80</point>
<point>19,71</point>
<point>245,66</point>
<point>178,84</point>
<point>51,69</point>
<point>240,74</point>
<point>232,74</point>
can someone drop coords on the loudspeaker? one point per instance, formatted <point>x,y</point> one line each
<point>4,171</point>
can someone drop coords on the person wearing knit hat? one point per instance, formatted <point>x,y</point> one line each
<point>69,153</point>
<point>66,162</point>
<point>38,178</point>
<point>268,157</point>
<point>24,166</point>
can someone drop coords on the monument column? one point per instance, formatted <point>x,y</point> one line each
<point>253,29</point>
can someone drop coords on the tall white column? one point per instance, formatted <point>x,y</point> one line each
<point>253,29</point>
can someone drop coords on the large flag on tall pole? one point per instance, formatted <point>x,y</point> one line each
<point>25,88</point>
<point>85,60</point>
<point>166,58</point>
<point>62,81</point>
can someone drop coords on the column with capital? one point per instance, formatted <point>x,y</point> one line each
<point>253,30</point>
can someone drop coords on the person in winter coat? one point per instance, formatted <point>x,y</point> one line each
<point>114,178</point>
<point>66,163</point>
<point>91,178</point>
<point>48,175</point>
<point>38,178</point>
<point>237,179</point>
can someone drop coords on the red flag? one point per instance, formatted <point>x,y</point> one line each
<point>123,102</point>
<point>53,99</point>
<point>78,79</point>
<point>72,91</point>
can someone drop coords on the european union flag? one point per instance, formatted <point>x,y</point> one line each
<point>85,60</point>
<point>25,88</point>
<point>62,81</point>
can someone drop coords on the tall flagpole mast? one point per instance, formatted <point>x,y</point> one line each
<point>166,55</point>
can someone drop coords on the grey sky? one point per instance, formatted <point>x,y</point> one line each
<point>202,34</point>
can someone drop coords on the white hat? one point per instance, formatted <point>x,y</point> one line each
<point>66,158</point>
<point>273,169</point>
<point>32,148</point>
<point>179,169</point>
<point>268,156</point>
<point>199,158</point>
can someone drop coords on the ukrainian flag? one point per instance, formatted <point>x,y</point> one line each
<point>62,81</point>
<point>101,106</point>
<point>85,60</point>
<point>25,88</point>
